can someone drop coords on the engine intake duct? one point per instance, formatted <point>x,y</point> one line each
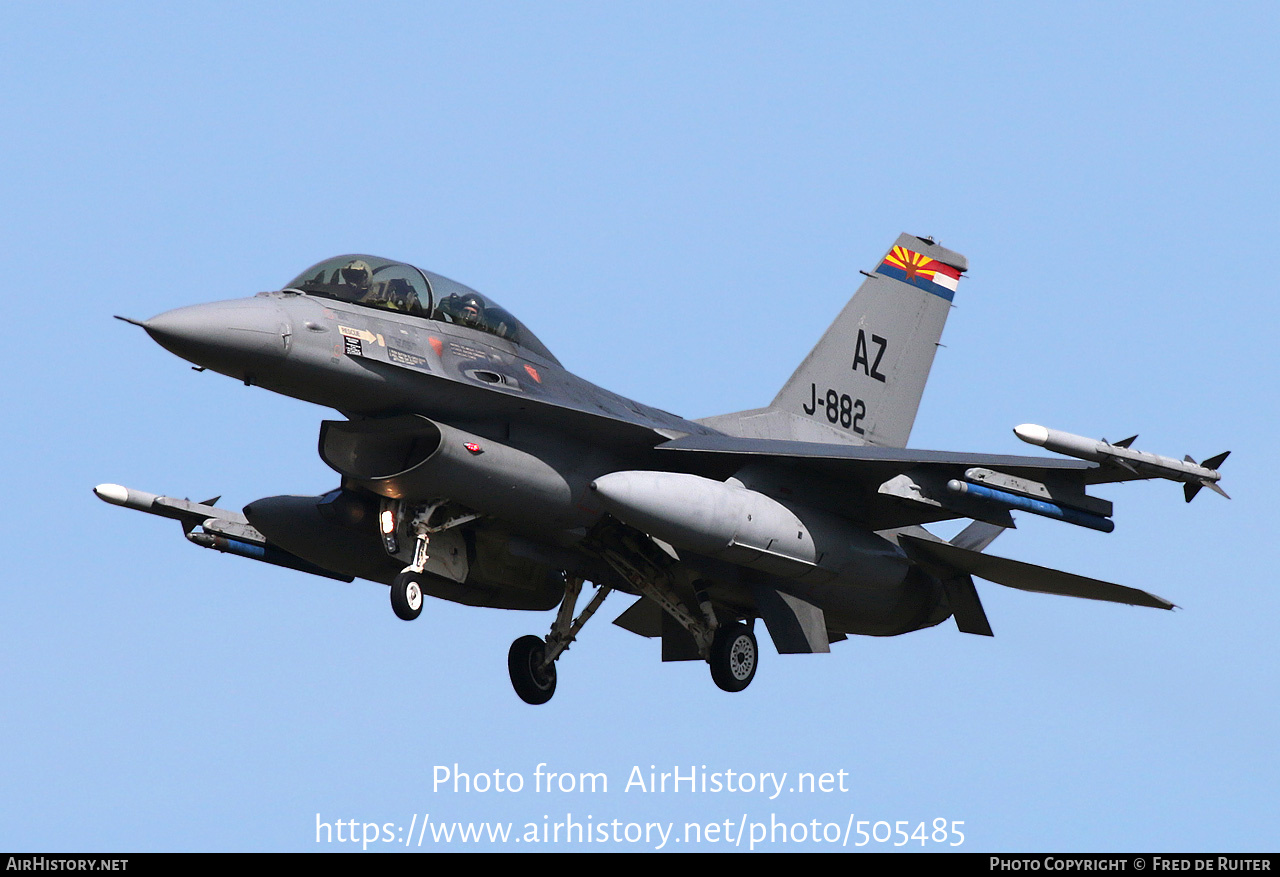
<point>381,451</point>
<point>413,458</point>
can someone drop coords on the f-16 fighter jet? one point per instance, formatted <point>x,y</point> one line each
<point>473,467</point>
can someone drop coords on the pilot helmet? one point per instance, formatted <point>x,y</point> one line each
<point>357,273</point>
<point>471,307</point>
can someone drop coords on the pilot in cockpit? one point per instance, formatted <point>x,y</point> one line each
<point>465,309</point>
<point>358,275</point>
<point>399,295</point>
<point>471,311</point>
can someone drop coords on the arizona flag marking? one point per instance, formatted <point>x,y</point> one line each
<point>921,271</point>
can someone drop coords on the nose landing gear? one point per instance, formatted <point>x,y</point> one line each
<point>406,595</point>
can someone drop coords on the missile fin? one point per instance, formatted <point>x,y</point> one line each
<point>1215,488</point>
<point>1126,442</point>
<point>1123,464</point>
<point>1215,462</point>
<point>1190,489</point>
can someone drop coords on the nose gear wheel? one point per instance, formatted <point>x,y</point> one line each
<point>406,596</point>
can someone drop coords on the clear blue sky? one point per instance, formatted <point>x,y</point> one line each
<point>677,198</point>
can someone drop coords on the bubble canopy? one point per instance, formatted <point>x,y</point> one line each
<point>374,282</point>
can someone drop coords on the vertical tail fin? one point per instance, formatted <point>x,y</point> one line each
<point>862,383</point>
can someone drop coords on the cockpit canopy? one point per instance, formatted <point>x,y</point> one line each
<point>374,282</point>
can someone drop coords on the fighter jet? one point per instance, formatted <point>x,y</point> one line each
<point>474,468</point>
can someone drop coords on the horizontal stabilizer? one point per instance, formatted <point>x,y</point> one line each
<point>1029,577</point>
<point>962,596</point>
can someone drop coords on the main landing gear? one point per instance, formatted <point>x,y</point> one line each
<point>729,648</point>
<point>532,676</point>
<point>532,660</point>
<point>734,656</point>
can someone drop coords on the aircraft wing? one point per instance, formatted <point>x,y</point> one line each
<point>885,488</point>
<point>874,461</point>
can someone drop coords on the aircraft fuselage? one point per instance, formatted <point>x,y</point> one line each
<point>372,364</point>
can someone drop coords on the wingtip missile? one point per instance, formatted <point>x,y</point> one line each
<point>1032,434</point>
<point>1121,455</point>
<point>162,506</point>
<point>112,493</point>
<point>220,529</point>
<point>118,494</point>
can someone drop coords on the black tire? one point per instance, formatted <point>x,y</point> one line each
<point>406,596</point>
<point>734,657</point>
<point>531,681</point>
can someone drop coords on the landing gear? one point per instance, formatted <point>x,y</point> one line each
<point>406,587</point>
<point>532,676</point>
<point>729,647</point>
<point>734,656</point>
<point>532,660</point>
<point>406,595</point>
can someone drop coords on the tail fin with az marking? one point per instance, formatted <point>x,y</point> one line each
<point>862,383</point>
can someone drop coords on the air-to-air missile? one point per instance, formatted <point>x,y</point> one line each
<point>220,529</point>
<point>1120,454</point>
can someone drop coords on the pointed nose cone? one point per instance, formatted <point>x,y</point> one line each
<point>240,338</point>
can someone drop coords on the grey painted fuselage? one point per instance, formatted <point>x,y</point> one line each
<point>475,468</point>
